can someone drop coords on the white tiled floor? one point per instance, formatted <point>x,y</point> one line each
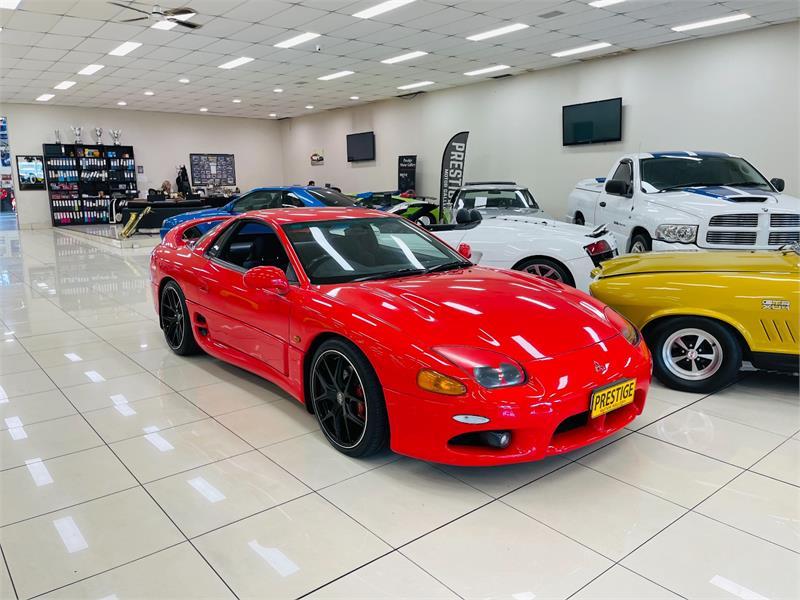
<point>128,472</point>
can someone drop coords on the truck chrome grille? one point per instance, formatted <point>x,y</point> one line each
<point>784,220</point>
<point>731,238</point>
<point>784,237</point>
<point>739,220</point>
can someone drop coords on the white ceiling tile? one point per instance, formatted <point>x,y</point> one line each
<point>63,42</point>
<point>75,26</point>
<point>257,33</point>
<point>118,32</point>
<point>22,20</point>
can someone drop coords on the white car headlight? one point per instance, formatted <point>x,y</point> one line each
<point>683,234</point>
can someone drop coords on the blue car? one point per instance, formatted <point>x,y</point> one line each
<point>266,197</point>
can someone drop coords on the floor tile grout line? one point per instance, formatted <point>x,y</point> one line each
<point>431,575</point>
<point>23,465</point>
<point>146,491</point>
<point>8,570</point>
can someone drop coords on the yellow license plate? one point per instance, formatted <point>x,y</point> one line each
<point>612,397</point>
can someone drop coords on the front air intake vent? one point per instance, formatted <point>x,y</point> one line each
<point>784,220</point>
<point>739,220</point>
<point>783,237</point>
<point>731,238</point>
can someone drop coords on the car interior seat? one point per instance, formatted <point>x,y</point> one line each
<point>266,251</point>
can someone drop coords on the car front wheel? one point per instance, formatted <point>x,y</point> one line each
<point>175,321</point>
<point>347,399</point>
<point>695,354</point>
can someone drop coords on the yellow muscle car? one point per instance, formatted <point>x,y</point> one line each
<point>703,313</point>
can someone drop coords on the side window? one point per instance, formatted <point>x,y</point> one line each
<point>624,172</point>
<point>254,244</point>
<point>255,201</point>
<point>216,245</point>
<point>290,199</point>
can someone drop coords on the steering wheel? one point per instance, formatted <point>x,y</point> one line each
<point>314,263</point>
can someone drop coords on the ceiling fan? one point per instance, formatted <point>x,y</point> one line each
<point>179,16</point>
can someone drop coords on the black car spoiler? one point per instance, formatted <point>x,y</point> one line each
<point>598,231</point>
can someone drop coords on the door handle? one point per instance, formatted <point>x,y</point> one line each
<point>603,204</point>
<point>203,287</point>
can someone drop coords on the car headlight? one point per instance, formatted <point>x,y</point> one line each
<point>625,327</point>
<point>490,369</point>
<point>683,234</point>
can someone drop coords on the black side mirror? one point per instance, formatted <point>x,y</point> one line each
<point>617,187</point>
<point>778,184</point>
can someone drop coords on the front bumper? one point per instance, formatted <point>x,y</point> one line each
<point>659,246</point>
<point>548,415</point>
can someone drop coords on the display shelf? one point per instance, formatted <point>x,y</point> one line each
<point>83,179</point>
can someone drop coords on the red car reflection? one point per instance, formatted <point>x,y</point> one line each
<point>391,337</point>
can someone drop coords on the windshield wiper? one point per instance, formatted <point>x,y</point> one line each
<point>391,274</point>
<point>460,264</point>
<point>688,185</point>
<point>746,184</point>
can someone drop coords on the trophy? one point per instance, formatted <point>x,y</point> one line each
<point>115,135</point>
<point>58,136</point>
<point>77,130</point>
<point>98,133</point>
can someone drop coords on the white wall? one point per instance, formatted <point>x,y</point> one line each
<point>160,142</point>
<point>736,93</point>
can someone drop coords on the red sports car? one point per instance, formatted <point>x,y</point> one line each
<point>391,337</point>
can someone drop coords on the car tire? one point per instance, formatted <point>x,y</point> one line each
<point>547,268</point>
<point>347,399</point>
<point>683,361</point>
<point>641,243</point>
<point>175,321</point>
<point>579,220</point>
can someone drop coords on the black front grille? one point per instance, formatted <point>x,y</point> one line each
<point>731,238</point>
<point>742,220</point>
<point>784,220</point>
<point>573,422</point>
<point>784,237</point>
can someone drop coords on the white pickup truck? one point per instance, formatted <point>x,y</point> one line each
<point>687,201</point>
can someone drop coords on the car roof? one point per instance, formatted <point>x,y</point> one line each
<point>285,216</point>
<point>265,188</point>
<point>492,186</point>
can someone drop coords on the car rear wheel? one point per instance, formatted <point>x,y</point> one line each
<point>695,354</point>
<point>347,399</point>
<point>175,321</point>
<point>547,268</point>
<point>579,220</point>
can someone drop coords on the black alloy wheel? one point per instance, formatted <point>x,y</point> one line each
<point>347,399</point>
<point>175,321</point>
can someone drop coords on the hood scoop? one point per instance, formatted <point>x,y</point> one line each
<point>742,199</point>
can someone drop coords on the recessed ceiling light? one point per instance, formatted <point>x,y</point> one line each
<point>411,86</point>
<point>125,48</point>
<point>64,85</point>
<point>236,62</point>
<point>354,98</point>
<point>309,106</point>
<point>237,100</point>
<point>45,97</point>
<point>278,90</point>
<point>604,3</point>
<point>581,49</point>
<point>712,22</point>
<point>381,8</point>
<point>298,39</point>
<point>203,109</point>
<point>9,4</point>
<point>149,93</point>
<point>122,103</point>
<point>273,115</point>
<point>336,75</point>
<point>164,25</point>
<point>486,70</point>
<point>90,69</point>
<point>402,57</point>
<point>495,32</point>
<point>183,80</point>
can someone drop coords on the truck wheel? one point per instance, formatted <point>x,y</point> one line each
<point>694,354</point>
<point>641,243</point>
<point>579,220</point>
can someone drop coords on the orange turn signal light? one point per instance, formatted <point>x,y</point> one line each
<point>440,384</point>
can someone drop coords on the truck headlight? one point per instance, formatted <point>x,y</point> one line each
<point>683,234</point>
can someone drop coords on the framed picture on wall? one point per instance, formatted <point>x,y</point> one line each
<point>30,172</point>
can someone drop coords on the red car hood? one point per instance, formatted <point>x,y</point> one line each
<point>522,316</point>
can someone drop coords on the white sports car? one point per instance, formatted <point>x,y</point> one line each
<point>505,228</point>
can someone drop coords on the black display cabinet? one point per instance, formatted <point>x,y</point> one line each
<point>83,179</point>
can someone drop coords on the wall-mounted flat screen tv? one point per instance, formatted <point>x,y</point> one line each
<point>592,122</point>
<point>361,146</point>
<point>30,172</point>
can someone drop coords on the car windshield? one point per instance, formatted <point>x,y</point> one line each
<point>345,250</point>
<point>497,199</point>
<point>330,197</point>
<point>664,173</point>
